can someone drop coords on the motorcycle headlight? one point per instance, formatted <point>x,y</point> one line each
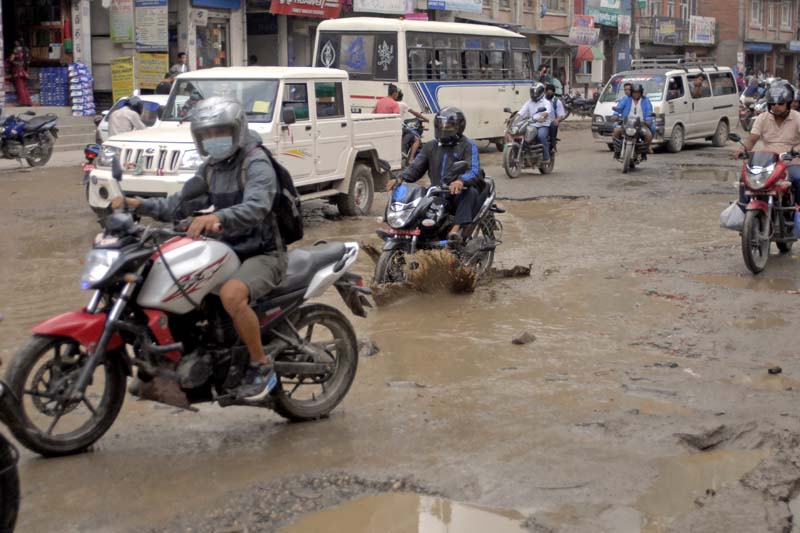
<point>757,176</point>
<point>598,119</point>
<point>630,132</point>
<point>98,263</point>
<point>399,215</point>
<point>191,160</point>
<point>107,154</point>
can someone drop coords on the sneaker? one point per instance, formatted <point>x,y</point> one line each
<point>258,382</point>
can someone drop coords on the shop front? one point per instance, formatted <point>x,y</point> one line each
<point>758,57</point>
<point>297,20</point>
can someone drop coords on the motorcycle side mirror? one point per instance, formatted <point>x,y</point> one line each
<point>506,110</point>
<point>194,188</point>
<point>734,137</point>
<point>385,166</point>
<point>116,168</point>
<point>459,168</point>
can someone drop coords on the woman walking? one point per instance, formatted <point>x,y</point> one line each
<point>19,72</point>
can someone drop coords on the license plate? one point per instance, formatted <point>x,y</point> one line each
<point>409,232</point>
<point>89,166</point>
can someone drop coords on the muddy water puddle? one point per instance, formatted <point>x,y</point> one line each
<point>706,174</point>
<point>753,283</point>
<point>684,479</point>
<point>408,513</point>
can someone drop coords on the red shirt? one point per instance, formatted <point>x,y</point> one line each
<point>387,105</point>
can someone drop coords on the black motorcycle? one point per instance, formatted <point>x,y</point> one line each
<point>523,149</point>
<point>412,129</point>
<point>632,148</point>
<point>419,219</point>
<point>30,137</point>
<point>578,105</point>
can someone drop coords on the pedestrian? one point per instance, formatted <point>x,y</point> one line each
<point>180,67</point>
<point>19,59</point>
<point>166,85</point>
<point>388,104</point>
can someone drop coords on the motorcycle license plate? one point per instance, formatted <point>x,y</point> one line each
<point>89,166</point>
<point>409,232</point>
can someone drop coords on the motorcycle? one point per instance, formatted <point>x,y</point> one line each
<point>155,306</point>
<point>31,139</point>
<point>412,128</point>
<point>579,105</point>
<point>418,219</point>
<point>632,148</point>
<point>769,213</point>
<point>523,149</point>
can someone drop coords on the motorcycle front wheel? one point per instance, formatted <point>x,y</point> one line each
<point>755,241</point>
<point>41,374</point>
<point>627,157</point>
<point>391,267</point>
<point>329,334</point>
<point>512,161</point>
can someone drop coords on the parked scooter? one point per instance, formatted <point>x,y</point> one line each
<point>30,137</point>
<point>523,149</point>
<point>631,147</point>
<point>418,219</point>
<point>770,210</point>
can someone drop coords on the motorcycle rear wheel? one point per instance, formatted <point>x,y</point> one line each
<point>37,381</point>
<point>341,339</point>
<point>755,248</point>
<point>42,157</point>
<point>511,160</point>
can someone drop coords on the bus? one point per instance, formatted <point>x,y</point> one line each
<point>480,69</point>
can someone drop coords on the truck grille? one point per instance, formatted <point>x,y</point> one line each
<point>151,161</point>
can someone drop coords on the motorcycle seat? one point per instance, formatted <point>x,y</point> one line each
<point>40,120</point>
<point>305,262</point>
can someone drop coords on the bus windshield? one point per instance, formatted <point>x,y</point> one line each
<point>653,86</point>
<point>256,96</point>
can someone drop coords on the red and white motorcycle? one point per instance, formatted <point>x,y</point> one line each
<point>154,306</point>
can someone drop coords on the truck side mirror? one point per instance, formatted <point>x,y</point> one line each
<point>288,116</point>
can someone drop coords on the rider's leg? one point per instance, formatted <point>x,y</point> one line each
<point>616,136</point>
<point>466,206</point>
<point>413,152</point>
<point>794,175</point>
<point>553,136</point>
<point>543,134</point>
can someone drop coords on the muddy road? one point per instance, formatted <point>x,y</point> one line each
<point>644,403</point>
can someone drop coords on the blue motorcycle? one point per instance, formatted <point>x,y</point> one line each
<point>29,136</point>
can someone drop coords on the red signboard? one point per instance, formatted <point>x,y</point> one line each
<point>324,9</point>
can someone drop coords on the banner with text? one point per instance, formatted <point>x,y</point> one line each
<point>324,9</point>
<point>702,30</point>
<point>122,23</point>
<point>472,6</point>
<point>605,12</point>
<point>122,77</point>
<point>152,68</point>
<point>389,7</point>
<point>152,25</point>
<point>579,35</point>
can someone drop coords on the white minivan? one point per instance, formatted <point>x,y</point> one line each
<point>680,114</point>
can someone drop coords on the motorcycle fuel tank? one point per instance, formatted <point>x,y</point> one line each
<point>200,267</point>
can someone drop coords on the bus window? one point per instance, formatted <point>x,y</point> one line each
<point>448,64</point>
<point>522,65</point>
<point>495,65</point>
<point>357,55</point>
<point>418,64</point>
<point>472,64</point>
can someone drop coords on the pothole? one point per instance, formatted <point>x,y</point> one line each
<point>706,174</point>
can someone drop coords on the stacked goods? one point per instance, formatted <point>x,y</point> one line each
<point>80,90</point>
<point>53,86</point>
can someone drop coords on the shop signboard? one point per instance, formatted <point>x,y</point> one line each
<point>624,24</point>
<point>152,68</point>
<point>122,78</point>
<point>667,31</point>
<point>389,7</point>
<point>605,12</point>
<point>702,29</point>
<point>324,9</point>
<point>122,21</point>
<point>586,36</point>
<point>472,6</point>
<point>152,26</point>
<point>794,46</point>
<point>583,21</point>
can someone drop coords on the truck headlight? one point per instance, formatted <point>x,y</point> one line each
<point>191,160</point>
<point>598,119</point>
<point>107,154</point>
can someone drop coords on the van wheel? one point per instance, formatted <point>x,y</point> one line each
<point>358,200</point>
<point>721,135</point>
<point>675,142</point>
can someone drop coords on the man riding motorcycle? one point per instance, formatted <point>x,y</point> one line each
<point>779,131</point>
<point>242,189</point>
<point>540,120</point>
<point>638,105</point>
<point>438,156</point>
<point>126,118</point>
<point>560,113</point>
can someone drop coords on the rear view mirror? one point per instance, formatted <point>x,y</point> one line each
<point>734,137</point>
<point>459,167</point>
<point>116,169</point>
<point>288,116</point>
<point>507,110</point>
<point>194,188</point>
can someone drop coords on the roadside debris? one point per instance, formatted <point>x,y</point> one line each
<point>775,370</point>
<point>367,348</point>
<point>523,338</point>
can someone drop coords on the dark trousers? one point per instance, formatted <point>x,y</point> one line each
<point>553,135</point>
<point>465,205</point>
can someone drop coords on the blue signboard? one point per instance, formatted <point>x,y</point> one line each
<point>758,48</point>
<point>219,4</point>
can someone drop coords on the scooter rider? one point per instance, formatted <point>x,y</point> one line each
<point>438,156</point>
<point>243,217</point>
<point>778,131</point>
<point>126,118</point>
<point>560,113</point>
<point>540,120</point>
<point>638,105</point>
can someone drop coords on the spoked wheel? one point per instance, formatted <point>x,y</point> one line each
<point>391,267</point>
<point>484,259</point>
<point>327,337</point>
<point>41,375</point>
<point>41,155</point>
<point>512,162</point>
<point>755,241</point>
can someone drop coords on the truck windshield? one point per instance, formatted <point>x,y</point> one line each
<point>653,87</point>
<point>257,97</point>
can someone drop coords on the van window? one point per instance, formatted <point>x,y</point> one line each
<point>675,89</point>
<point>722,83</point>
<point>697,90</point>
<point>330,102</point>
<point>653,86</point>
<point>295,97</point>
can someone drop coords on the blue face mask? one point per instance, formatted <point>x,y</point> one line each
<point>218,147</point>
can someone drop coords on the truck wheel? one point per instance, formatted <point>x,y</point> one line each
<point>358,200</point>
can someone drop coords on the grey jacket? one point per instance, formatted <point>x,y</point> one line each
<point>245,214</point>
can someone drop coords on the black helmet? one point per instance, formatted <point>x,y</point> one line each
<point>781,94</point>
<point>449,125</point>
<point>135,103</point>
<point>637,88</point>
<point>537,91</point>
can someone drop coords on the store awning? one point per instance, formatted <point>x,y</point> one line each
<point>590,53</point>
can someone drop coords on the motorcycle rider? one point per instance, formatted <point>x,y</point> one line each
<point>438,156</point>
<point>560,113</point>
<point>626,95</point>
<point>638,105</point>
<point>539,120</point>
<point>126,118</point>
<point>242,189</point>
<point>409,137</point>
<point>779,131</point>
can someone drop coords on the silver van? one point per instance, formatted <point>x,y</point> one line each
<point>681,114</point>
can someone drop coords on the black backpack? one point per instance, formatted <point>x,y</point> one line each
<point>286,208</point>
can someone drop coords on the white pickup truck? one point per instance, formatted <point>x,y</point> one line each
<point>303,116</point>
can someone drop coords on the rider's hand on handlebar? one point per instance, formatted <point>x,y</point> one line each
<point>456,187</point>
<point>133,203</point>
<point>738,153</point>
<point>204,224</point>
<point>392,184</point>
